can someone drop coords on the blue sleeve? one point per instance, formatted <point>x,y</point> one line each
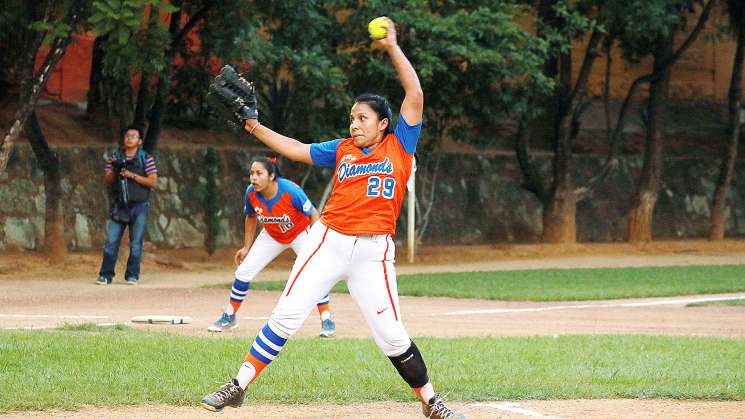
<point>248,209</point>
<point>408,135</point>
<point>300,200</point>
<point>324,154</point>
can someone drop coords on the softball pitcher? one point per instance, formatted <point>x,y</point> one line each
<point>286,213</point>
<point>353,239</point>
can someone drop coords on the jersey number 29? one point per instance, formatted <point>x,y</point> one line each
<point>384,188</point>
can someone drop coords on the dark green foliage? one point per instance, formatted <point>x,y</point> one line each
<point>309,59</point>
<point>130,46</point>
<point>186,105</point>
<point>285,48</point>
<point>475,61</point>
<point>11,18</point>
<point>639,24</point>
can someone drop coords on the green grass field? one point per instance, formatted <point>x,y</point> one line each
<point>738,302</point>
<point>66,369</point>
<point>565,284</point>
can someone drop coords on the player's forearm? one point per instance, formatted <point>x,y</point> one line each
<point>249,231</point>
<point>412,107</point>
<point>286,146</point>
<point>313,217</point>
<point>406,73</point>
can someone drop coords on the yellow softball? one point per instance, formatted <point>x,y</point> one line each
<point>378,28</point>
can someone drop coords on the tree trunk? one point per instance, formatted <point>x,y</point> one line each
<point>29,102</point>
<point>96,103</point>
<point>640,215</point>
<point>608,48</point>
<point>163,89</point>
<point>55,247</point>
<point>30,96</point>
<point>559,218</point>
<point>718,218</point>
<point>560,204</point>
<point>279,97</point>
<point>156,113</point>
<point>542,127</point>
<point>142,93</point>
<point>160,101</point>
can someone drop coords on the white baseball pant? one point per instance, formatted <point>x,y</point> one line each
<point>367,264</point>
<point>263,250</point>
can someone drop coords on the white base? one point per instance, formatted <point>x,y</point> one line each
<point>161,319</point>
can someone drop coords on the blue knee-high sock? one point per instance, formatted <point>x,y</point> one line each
<point>267,345</point>
<point>238,294</point>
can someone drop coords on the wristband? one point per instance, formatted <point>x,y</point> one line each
<point>254,128</point>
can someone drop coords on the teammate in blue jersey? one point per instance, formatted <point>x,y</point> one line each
<point>286,214</point>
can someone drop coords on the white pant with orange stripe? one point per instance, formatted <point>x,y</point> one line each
<point>367,264</point>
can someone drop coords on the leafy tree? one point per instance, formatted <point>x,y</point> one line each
<point>474,60</point>
<point>664,19</point>
<point>131,40</point>
<point>48,23</point>
<point>278,42</point>
<point>480,69</point>
<point>130,48</point>
<point>285,51</point>
<point>642,28</point>
<point>560,23</point>
<point>12,17</point>
<point>736,13</point>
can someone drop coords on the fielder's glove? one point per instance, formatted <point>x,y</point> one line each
<point>233,98</point>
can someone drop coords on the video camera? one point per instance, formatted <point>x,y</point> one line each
<point>121,200</point>
<point>119,163</point>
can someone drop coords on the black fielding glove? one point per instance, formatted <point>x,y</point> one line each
<point>233,98</point>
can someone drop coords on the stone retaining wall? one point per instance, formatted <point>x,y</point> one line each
<point>477,199</point>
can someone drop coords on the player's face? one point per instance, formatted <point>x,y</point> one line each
<point>365,127</point>
<point>260,177</point>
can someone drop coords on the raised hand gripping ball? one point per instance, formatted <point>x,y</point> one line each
<point>378,28</point>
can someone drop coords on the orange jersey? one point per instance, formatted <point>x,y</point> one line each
<point>284,216</point>
<point>369,188</point>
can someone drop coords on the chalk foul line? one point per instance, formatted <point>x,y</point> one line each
<point>51,316</point>
<point>584,306</point>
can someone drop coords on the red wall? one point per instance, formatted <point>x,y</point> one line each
<point>70,77</point>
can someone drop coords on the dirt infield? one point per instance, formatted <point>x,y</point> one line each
<point>173,281</point>
<point>545,409</point>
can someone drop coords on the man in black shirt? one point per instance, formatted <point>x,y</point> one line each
<point>130,174</point>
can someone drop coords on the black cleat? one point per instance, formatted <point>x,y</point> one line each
<point>231,394</point>
<point>436,409</point>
